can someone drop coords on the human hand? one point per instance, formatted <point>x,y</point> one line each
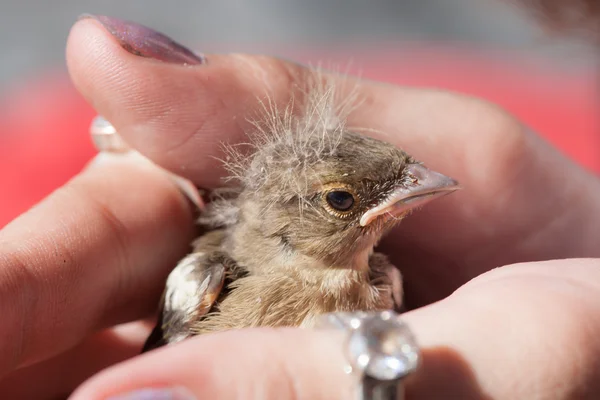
<point>87,267</point>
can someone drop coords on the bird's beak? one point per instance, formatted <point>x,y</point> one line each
<point>427,185</point>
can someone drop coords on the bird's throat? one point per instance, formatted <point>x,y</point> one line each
<point>360,262</point>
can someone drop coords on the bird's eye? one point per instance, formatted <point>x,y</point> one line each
<point>340,200</point>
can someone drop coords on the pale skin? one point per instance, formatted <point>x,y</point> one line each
<point>78,264</point>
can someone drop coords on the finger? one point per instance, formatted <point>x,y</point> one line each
<point>474,345</point>
<point>522,200</point>
<point>222,359</point>
<point>540,315</point>
<point>93,254</point>
<point>56,378</point>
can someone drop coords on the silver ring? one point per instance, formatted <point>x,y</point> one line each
<point>106,139</point>
<point>381,351</point>
<point>105,136</point>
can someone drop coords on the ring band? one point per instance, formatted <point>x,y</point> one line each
<point>105,136</point>
<point>106,139</point>
<point>380,349</point>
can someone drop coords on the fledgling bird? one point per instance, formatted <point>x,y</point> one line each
<point>295,237</point>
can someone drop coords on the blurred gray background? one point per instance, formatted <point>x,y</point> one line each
<point>33,33</point>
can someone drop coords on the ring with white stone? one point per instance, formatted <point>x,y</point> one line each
<point>380,349</point>
<point>106,139</point>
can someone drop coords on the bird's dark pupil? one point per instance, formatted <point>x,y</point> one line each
<point>340,200</point>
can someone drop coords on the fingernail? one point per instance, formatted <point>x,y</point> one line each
<point>145,42</point>
<point>177,393</point>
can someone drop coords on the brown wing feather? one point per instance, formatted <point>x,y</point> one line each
<point>192,288</point>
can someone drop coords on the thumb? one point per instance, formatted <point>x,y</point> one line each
<point>474,345</point>
<point>170,104</point>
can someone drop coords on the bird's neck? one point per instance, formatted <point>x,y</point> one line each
<point>272,255</point>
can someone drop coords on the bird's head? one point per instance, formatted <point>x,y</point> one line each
<point>323,190</point>
<point>332,195</point>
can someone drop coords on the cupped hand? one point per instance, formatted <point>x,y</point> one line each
<point>81,272</point>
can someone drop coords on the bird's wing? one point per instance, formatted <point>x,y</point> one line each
<point>386,275</point>
<point>191,290</point>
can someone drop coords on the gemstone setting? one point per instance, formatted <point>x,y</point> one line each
<point>380,345</point>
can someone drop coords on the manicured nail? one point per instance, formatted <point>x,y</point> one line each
<point>145,42</point>
<point>156,394</point>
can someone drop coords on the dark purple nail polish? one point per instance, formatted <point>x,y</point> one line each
<point>145,42</point>
<point>156,394</point>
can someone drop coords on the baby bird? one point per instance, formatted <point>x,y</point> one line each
<point>295,237</point>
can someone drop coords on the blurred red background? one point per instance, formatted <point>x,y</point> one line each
<point>44,139</point>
